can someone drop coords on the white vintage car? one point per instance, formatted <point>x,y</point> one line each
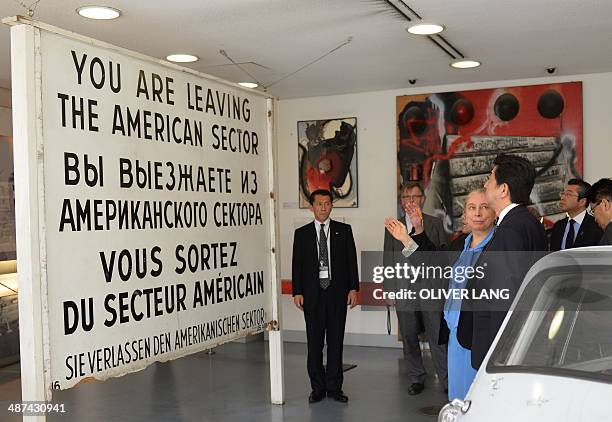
<point>552,358</point>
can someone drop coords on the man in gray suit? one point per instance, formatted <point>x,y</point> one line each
<point>411,319</point>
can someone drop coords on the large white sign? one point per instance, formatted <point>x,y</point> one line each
<point>154,210</point>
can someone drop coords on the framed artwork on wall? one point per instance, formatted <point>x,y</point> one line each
<point>327,159</point>
<point>448,141</point>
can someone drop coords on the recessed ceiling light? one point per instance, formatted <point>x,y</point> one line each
<point>248,84</point>
<point>425,28</point>
<point>99,12</point>
<point>182,58</point>
<point>465,64</point>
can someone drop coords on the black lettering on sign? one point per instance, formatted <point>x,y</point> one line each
<point>145,124</point>
<point>73,314</point>
<point>79,114</point>
<point>226,105</point>
<point>75,365</point>
<point>234,140</point>
<point>98,72</point>
<point>92,175</point>
<point>205,256</point>
<point>229,214</point>
<point>196,102</point>
<point>146,303</point>
<point>249,184</point>
<point>158,86</point>
<point>142,85</point>
<point>124,263</point>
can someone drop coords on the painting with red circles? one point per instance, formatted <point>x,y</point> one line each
<point>327,156</point>
<point>448,141</point>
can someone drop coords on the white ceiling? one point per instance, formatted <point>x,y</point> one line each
<point>513,39</point>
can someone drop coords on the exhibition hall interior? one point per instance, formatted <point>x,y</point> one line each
<point>322,210</point>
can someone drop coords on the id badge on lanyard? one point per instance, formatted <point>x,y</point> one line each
<point>323,270</point>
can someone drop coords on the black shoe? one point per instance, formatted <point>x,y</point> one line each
<point>416,388</point>
<point>338,396</point>
<point>316,396</point>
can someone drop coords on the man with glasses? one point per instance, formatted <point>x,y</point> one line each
<point>411,319</point>
<point>577,229</point>
<point>600,200</point>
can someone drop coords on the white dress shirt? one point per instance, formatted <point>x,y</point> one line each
<point>505,211</point>
<point>326,230</point>
<point>408,223</point>
<point>577,223</point>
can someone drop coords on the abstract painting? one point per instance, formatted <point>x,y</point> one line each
<point>448,141</point>
<point>327,159</point>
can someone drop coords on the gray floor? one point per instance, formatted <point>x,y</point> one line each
<point>233,385</point>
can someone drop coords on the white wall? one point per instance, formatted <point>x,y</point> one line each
<point>376,151</point>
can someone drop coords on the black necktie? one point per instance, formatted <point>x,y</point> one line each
<point>569,240</point>
<point>323,258</point>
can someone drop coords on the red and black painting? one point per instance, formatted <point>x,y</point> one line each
<point>448,141</point>
<point>328,159</point>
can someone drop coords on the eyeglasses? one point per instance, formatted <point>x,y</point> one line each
<point>568,193</point>
<point>411,197</point>
<point>591,209</point>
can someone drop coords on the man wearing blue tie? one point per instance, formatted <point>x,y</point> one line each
<point>578,228</point>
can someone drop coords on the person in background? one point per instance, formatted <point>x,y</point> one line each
<point>325,281</point>
<point>480,219</point>
<point>478,222</point>
<point>507,257</point>
<point>578,228</point>
<point>410,319</point>
<point>600,207</point>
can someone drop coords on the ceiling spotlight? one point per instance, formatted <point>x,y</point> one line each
<point>182,58</point>
<point>425,28</point>
<point>251,85</point>
<point>99,12</point>
<point>465,64</point>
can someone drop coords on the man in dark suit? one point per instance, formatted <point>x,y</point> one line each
<point>325,281</point>
<point>412,320</point>
<point>600,207</point>
<point>578,229</point>
<point>517,230</point>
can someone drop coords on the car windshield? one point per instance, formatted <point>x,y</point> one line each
<point>562,325</point>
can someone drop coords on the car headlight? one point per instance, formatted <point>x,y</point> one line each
<point>454,409</point>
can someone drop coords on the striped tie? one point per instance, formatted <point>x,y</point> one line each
<point>323,257</point>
